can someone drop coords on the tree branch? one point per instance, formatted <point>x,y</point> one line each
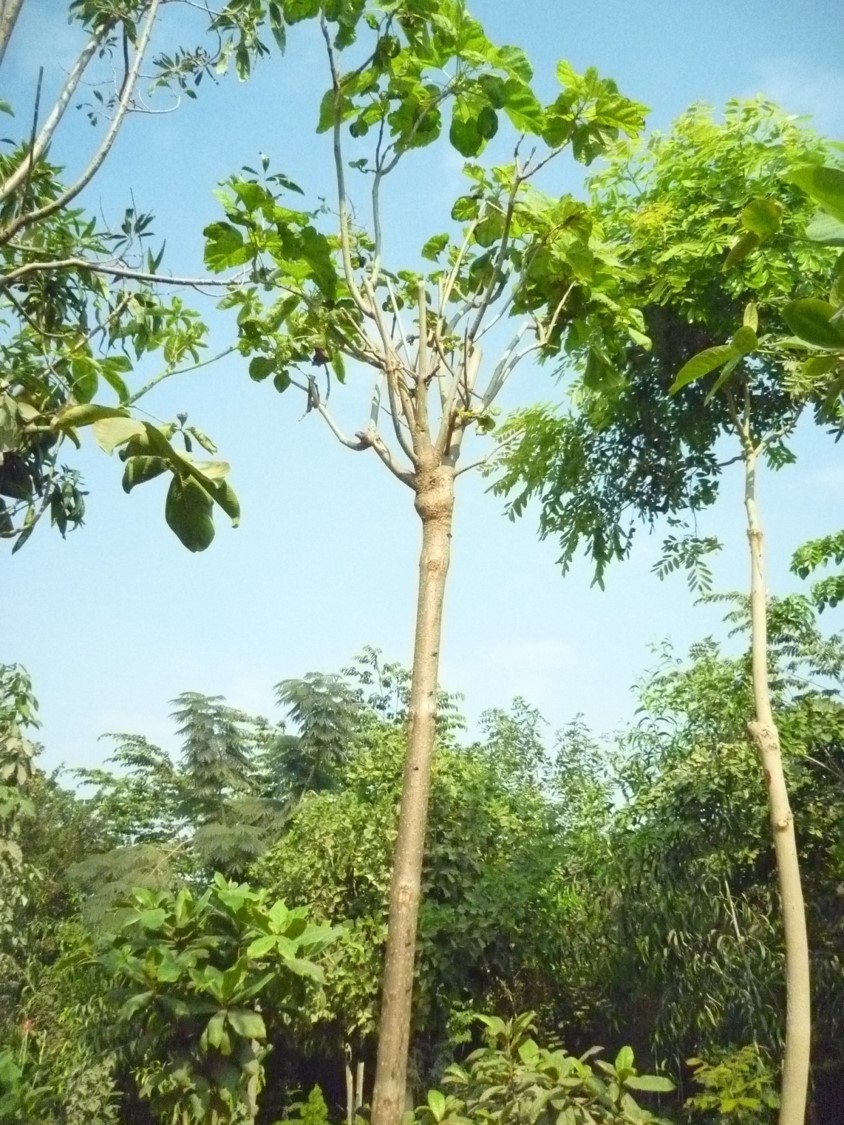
<point>340,175</point>
<point>105,146</point>
<point>40,143</point>
<point>84,264</point>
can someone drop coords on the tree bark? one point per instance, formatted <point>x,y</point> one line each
<point>435,505</point>
<point>763,731</point>
<point>9,11</point>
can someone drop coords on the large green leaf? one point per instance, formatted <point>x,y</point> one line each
<point>824,185</point>
<point>811,320</point>
<point>762,217</point>
<point>827,229</point>
<point>701,364</point>
<point>111,432</point>
<point>745,245</point>
<point>247,1023</point>
<point>188,513</point>
<point>653,1083</point>
<point>85,415</point>
<point>140,469</point>
<point>224,247</point>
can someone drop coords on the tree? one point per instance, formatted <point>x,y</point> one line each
<point>324,293</point>
<point>634,451</point>
<point>83,303</point>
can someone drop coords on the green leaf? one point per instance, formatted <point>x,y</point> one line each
<point>653,1083</point>
<point>701,364</point>
<point>188,513</point>
<point>522,107</point>
<point>140,469</point>
<point>224,247</point>
<point>134,1005</point>
<point>762,217</point>
<point>624,1059</point>
<point>261,946</point>
<point>465,135</point>
<point>85,378</point>
<point>111,432</point>
<point>434,247</point>
<point>826,229</point>
<point>247,1024</point>
<point>260,367</point>
<point>436,1104</point>
<point>213,1033</point>
<point>85,415</point>
<point>811,320</point>
<point>729,368</point>
<point>600,374</point>
<point>745,245</point>
<point>751,316</point>
<point>744,340</point>
<point>824,185</point>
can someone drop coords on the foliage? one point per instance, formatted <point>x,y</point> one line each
<point>200,977</point>
<point>513,1078</point>
<point>631,452</point>
<point>489,856</point>
<point>312,1111</point>
<point>739,1088</point>
<point>82,301</point>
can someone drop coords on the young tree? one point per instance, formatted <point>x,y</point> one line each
<point>634,452</point>
<point>325,293</point>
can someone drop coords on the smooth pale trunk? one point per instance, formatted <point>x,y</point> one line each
<point>9,11</point>
<point>766,739</point>
<point>435,505</point>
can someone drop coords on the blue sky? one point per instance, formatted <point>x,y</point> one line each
<point>118,619</point>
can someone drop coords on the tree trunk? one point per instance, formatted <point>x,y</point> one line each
<point>435,505</point>
<point>766,739</point>
<point>9,11</point>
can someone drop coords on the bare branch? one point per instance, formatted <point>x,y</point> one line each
<point>132,399</point>
<point>40,143</point>
<point>108,140</point>
<point>85,265</point>
<point>374,440</point>
<point>340,175</point>
<point>9,11</point>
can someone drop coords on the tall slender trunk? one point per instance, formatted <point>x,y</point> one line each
<point>766,739</point>
<point>435,505</point>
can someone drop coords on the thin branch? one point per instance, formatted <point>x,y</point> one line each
<point>29,165</point>
<point>339,172</point>
<point>374,440</point>
<point>358,445</point>
<point>169,374</point>
<point>108,140</point>
<point>502,250</point>
<point>84,264</point>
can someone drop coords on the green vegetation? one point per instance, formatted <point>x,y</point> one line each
<point>360,900</point>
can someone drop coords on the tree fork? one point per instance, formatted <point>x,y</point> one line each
<point>765,736</point>
<point>435,505</point>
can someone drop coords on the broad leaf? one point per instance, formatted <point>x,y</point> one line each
<point>701,364</point>
<point>745,245</point>
<point>246,1023</point>
<point>812,320</point>
<point>827,229</point>
<point>188,513</point>
<point>111,432</point>
<point>762,217</point>
<point>653,1083</point>
<point>824,185</point>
